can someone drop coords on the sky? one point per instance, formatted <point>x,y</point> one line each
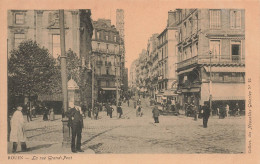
<point>140,23</point>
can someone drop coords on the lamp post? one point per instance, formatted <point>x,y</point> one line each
<point>93,83</point>
<point>66,130</point>
<point>210,84</point>
<point>116,81</point>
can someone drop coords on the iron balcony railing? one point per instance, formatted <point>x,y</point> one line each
<point>206,59</point>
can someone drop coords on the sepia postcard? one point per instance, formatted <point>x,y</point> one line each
<point>128,81</point>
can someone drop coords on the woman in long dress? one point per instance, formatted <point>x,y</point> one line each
<point>52,117</point>
<point>17,130</point>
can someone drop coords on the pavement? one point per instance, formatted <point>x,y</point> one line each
<point>131,134</point>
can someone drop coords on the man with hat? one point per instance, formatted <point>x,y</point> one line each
<point>17,130</point>
<point>156,114</point>
<point>75,116</point>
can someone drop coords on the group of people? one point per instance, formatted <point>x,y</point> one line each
<point>224,111</point>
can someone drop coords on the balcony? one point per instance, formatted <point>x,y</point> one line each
<point>223,59</point>
<point>205,59</point>
<point>113,52</point>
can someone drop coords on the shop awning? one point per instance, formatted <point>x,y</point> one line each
<point>223,91</point>
<point>110,89</point>
<point>186,71</point>
<point>225,69</point>
<point>228,92</point>
<point>191,90</point>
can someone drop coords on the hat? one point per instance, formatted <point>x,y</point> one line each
<point>19,108</point>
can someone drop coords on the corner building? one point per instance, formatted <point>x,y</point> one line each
<point>211,47</point>
<point>106,49</point>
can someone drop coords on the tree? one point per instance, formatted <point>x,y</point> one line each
<point>30,70</point>
<point>73,63</point>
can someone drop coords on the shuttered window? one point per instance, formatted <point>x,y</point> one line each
<point>215,19</point>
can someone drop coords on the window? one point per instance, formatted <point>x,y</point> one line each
<point>196,22</point>
<point>162,53</point>
<point>180,39</point>
<point>114,38</point>
<point>235,19</point>
<point>19,18</point>
<point>107,83</point>
<point>235,50</point>
<point>56,45</point>
<point>98,35</point>
<point>227,77</point>
<point>190,51</point>
<point>195,49</point>
<point>215,48</point>
<point>214,18</point>
<point>184,30</point>
<point>107,48</point>
<point>191,25</point>
<point>107,71</point>
<point>106,37</point>
<point>99,83</point>
<point>18,38</point>
<point>98,44</point>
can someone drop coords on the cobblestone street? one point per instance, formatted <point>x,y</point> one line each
<point>131,134</point>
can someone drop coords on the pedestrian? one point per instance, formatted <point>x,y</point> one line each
<point>195,110</point>
<point>89,110</point>
<point>205,114</point>
<point>17,133</point>
<point>227,110</point>
<point>75,116</point>
<point>33,111</point>
<point>156,114</point>
<point>110,110</point>
<point>119,110</point>
<point>237,110</point>
<point>139,111</point>
<point>45,113</point>
<point>52,116</point>
<point>128,102</point>
<point>28,112</point>
<point>222,112</point>
<point>96,111</point>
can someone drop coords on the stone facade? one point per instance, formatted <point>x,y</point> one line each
<point>211,55</point>
<point>43,27</point>
<point>106,49</point>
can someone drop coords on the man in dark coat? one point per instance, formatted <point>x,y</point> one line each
<point>156,114</point>
<point>119,110</point>
<point>76,123</point>
<point>206,114</point>
<point>109,110</point>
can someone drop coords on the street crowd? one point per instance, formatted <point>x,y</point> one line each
<point>78,112</point>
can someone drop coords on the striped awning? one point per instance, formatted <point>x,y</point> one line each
<point>186,71</point>
<point>225,69</point>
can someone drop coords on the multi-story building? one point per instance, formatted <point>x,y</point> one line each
<point>211,55</point>
<point>120,26</point>
<point>43,27</point>
<point>152,64</point>
<point>132,75</point>
<point>106,49</point>
<point>167,59</point>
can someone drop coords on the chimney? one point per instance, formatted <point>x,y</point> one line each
<point>171,18</point>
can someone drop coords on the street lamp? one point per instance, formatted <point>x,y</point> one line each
<point>210,84</point>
